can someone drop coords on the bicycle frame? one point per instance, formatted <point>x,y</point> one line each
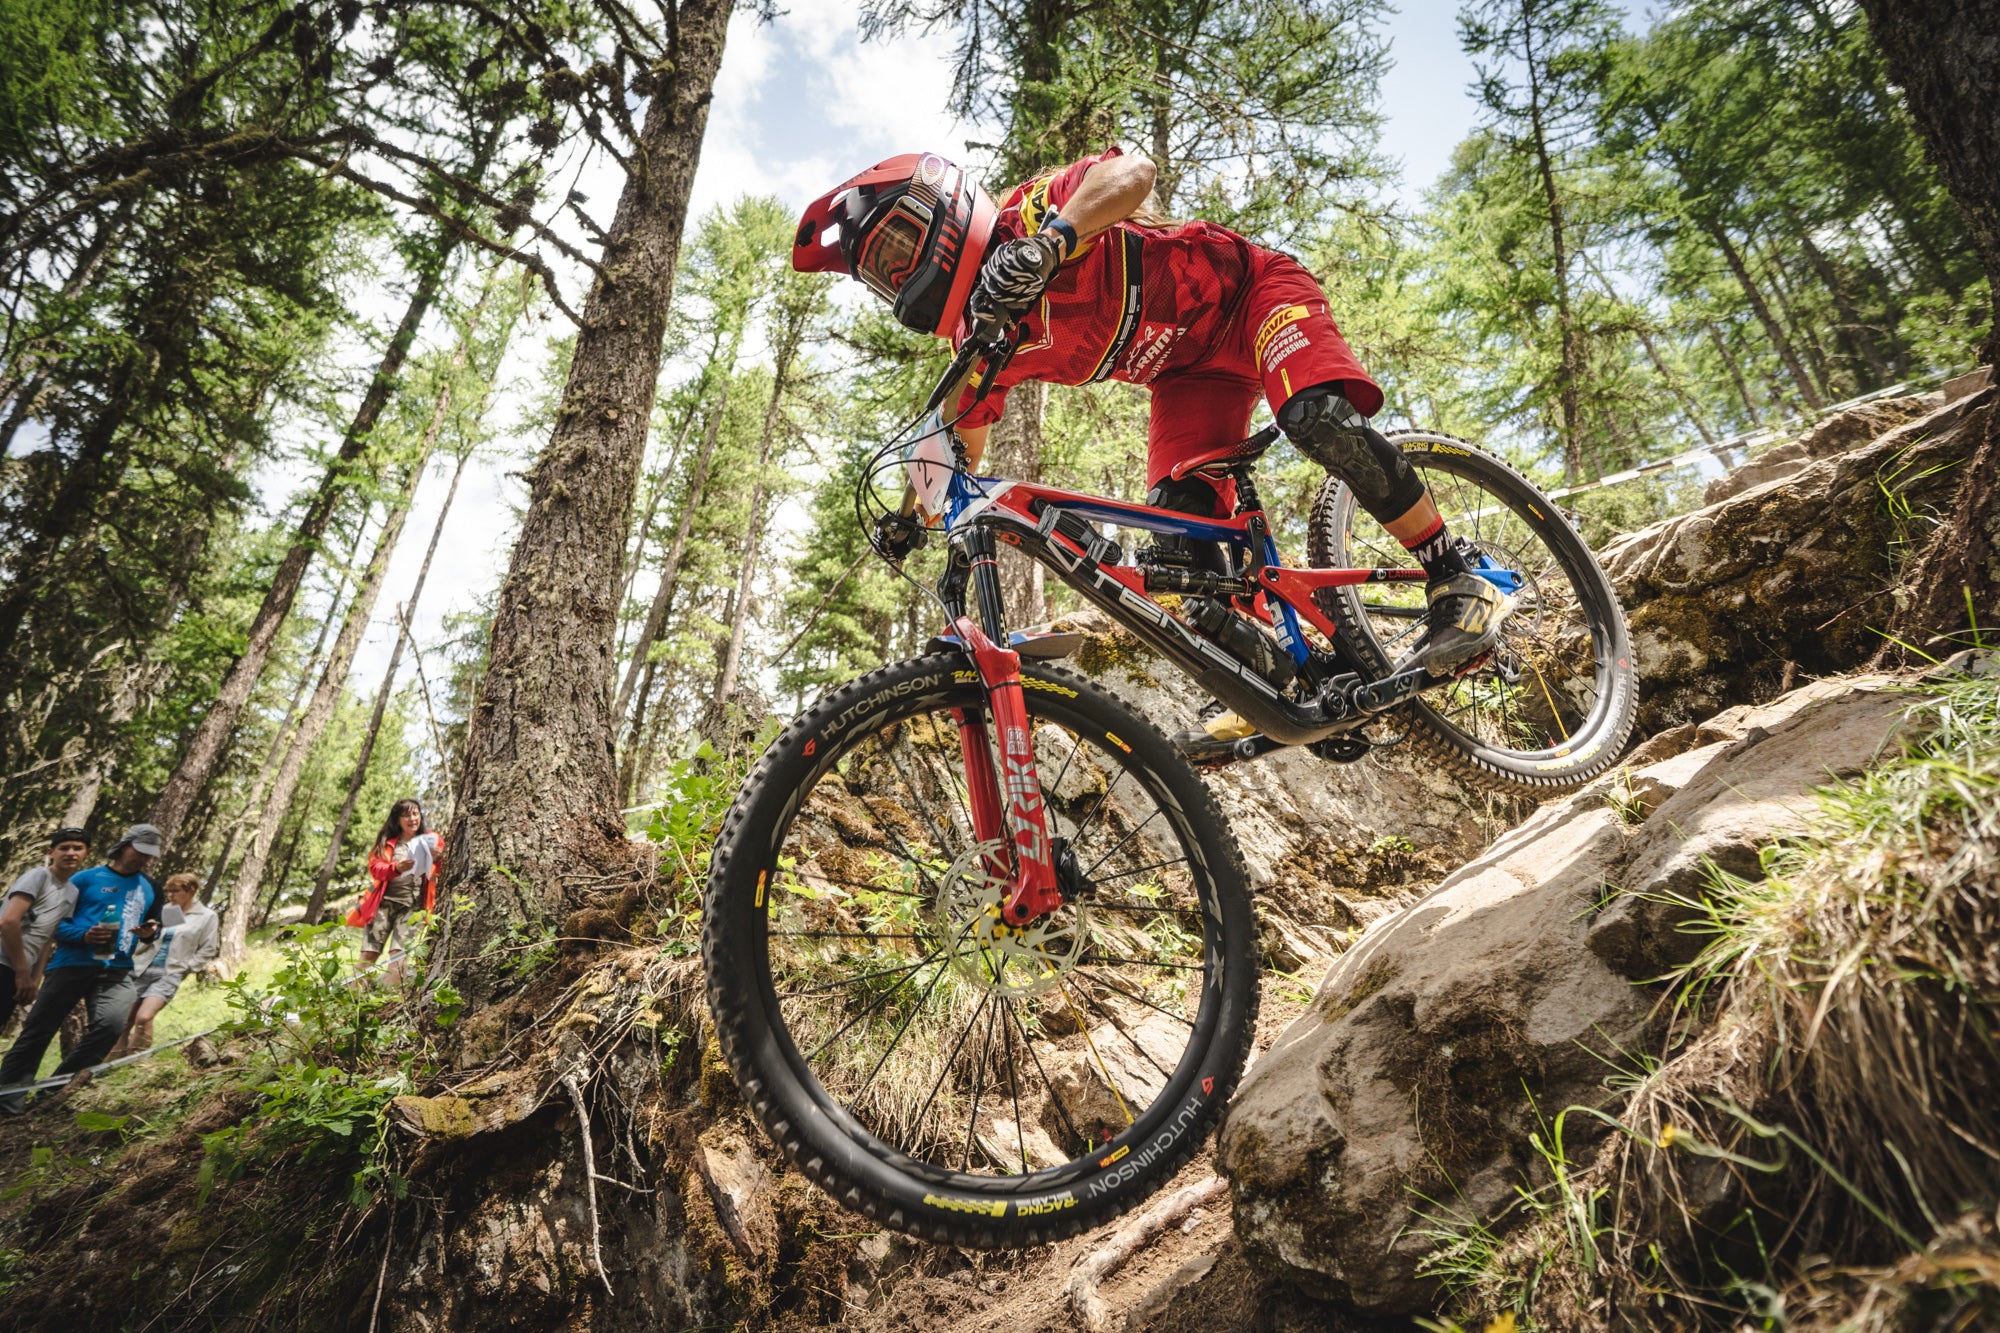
<point>1056,528</point>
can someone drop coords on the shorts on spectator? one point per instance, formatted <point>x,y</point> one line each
<point>389,923</point>
<point>156,984</point>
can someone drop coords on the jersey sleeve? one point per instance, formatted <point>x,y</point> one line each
<point>1045,196</point>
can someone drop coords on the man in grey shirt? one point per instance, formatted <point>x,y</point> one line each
<point>35,903</point>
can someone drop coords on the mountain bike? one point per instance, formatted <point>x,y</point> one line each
<point>980,945</point>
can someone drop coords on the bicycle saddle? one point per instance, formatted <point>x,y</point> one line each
<point>1223,459</point>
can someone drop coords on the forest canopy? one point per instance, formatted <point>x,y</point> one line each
<point>277,275</point>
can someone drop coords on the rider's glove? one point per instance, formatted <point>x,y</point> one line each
<point>1015,276</point>
<point>896,535</point>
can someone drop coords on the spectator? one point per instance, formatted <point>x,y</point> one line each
<point>37,900</point>
<point>404,865</point>
<point>183,947</point>
<point>92,962</point>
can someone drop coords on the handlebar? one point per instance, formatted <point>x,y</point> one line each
<point>990,341</point>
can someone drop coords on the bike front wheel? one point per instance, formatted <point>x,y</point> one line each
<point>1551,707</point>
<point>929,1067</point>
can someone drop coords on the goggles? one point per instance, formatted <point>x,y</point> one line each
<point>894,245</point>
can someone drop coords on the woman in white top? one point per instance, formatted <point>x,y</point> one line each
<point>188,946</point>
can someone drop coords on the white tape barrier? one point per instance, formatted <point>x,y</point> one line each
<point>1749,439</point>
<point>19,1088</point>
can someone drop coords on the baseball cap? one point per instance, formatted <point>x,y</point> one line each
<point>141,838</point>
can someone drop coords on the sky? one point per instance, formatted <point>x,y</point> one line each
<point>801,104</point>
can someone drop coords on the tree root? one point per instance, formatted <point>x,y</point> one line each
<point>589,1176</point>
<point>1093,1268</point>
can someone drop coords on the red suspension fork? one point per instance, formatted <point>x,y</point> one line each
<point>1015,813</point>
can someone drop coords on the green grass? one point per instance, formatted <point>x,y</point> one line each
<point>200,1004</point>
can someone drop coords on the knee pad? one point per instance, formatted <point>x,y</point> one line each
<point>1324,426</point>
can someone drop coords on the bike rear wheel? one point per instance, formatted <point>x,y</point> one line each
<point>1553,705</point>
<point>929,1068</point>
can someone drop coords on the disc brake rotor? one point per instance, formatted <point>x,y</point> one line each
<point>1011,961</point>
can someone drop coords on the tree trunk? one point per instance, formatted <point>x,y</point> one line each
<point>439,408</point>
<point>1801,329</point>
<point>670,570</point>
<point>793,332</point>
<point>1772,329</point>
<point>1855,332</point>
<point>253,808</point>
<point>367,751</point>
<point>629,772</point>
<point>1570,376</point>
<point>235,922</point>
<point>667,469</point>
<point>206,747</point>
<point>1735,370</point>
<point>1946,56</point>
<point>539,795</point>
<point>1016,453</point>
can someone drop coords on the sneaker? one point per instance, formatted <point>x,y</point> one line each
<point>1215,739</point>
<point>1466,612</point>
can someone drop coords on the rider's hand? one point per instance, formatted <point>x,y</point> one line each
<point>896,535</point>
<point>1015,276</point>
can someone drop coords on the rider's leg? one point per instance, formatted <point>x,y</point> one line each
<point>1322,398</point>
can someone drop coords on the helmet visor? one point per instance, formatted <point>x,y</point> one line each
<point>890,251</point>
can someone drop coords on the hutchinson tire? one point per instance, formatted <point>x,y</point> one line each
<point>934,1072</point>
<point>1551,708</point>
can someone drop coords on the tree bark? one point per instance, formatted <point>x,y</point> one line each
<point>235,922</point>
<point>1945,54</point>
<point>1016,453</point>
<point>539,794</point>
<point>205,748</point>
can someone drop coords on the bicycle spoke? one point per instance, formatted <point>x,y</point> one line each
<point>979,1084</point>
<point>1014,1085</point>
<point>1184,1022</point>
<point>1136,828</point>
<point>855,981</point>
<point>1127,874</point>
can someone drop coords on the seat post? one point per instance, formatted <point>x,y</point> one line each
<point>1247,499</point>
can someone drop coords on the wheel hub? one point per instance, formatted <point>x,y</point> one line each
<point>1012,961</point>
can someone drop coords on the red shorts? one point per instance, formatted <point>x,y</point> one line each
<point>1282,340</point>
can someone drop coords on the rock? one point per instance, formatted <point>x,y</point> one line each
<point>1122,1065</point>
<point>1790,578</point>
<point>1320,839</point>
<point>1824,438</point>
<point>1404,1098</point>
<point>1964,386</point>
<point>1725,801</point>
<point>741,1188</point>
<point>478,1108</point>
<point>201,1053</point>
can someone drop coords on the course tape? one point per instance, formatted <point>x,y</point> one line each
<point>1749,439</point>
<point>16,1089</point>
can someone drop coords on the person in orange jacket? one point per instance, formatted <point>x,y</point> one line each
<point>404,867</point>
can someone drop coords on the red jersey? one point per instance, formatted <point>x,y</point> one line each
<point>1133,303</point>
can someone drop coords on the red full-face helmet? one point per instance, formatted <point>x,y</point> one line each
<point>914,228</point>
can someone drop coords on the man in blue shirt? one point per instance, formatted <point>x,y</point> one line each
<point>92,963</point>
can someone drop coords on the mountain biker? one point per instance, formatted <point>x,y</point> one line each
<point>1104,288</point>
